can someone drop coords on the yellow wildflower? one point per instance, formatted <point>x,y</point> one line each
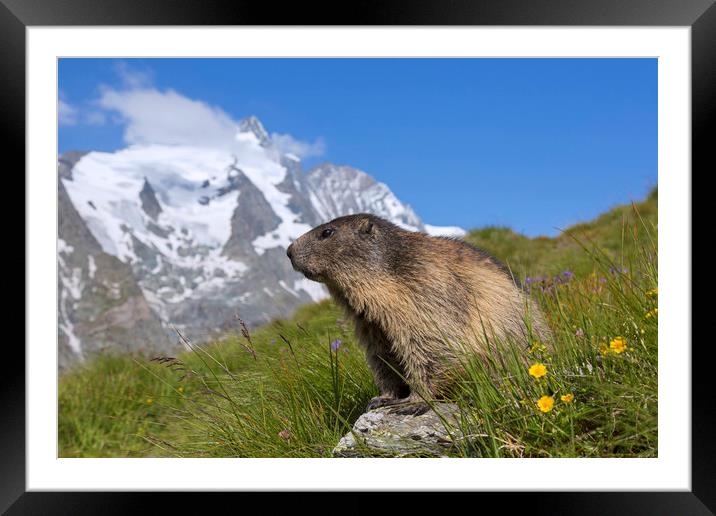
<point>538,370</point>
<point>652,313</point>
<point>538,346</point>
<point>545,403</point>
<point>618,345</point>
<point>180,389</point>
<point>150,401</point>
<point>567,398</point>
<point>653,292</point>
<point>604,350</point>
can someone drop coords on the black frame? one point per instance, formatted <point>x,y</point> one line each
<point>700,15</point>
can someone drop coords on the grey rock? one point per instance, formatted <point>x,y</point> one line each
<point>66,162</point>
<point>150,205</point>
<point>253,125</point>
<point>296,185</point>
<point>253,217</point>
<point>385,433</point>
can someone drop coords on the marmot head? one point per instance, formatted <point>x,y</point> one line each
<point>339,250</point>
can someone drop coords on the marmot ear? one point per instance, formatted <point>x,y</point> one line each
<point>365,226</point>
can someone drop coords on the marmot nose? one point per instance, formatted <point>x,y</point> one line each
<point>289,252</point>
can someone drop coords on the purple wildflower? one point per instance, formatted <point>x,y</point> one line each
<point>568,275</point>
<point>336,344</point>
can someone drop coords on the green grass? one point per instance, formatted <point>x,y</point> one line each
<point>232,398</point>
<point>542,255</point>
<point>283,392</point>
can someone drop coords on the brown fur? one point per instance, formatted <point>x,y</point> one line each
<point>418,301</point>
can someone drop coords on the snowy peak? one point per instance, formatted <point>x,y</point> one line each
<point>254,126</point>
<point>341,190</point>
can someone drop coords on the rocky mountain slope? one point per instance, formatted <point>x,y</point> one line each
<point>153,237</point>
<point>100,303</point>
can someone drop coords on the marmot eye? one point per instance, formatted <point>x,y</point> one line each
<point>327,232</point>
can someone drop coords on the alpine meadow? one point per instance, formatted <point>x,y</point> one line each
<point>293,387</point>
<point>367,257</point>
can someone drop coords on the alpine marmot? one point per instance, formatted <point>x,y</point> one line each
<point>417,301</point>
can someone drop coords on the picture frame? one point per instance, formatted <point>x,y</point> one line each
<point>16,16</point>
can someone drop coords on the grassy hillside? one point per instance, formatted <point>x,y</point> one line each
<point>612,232</point>
<point>292,388</point>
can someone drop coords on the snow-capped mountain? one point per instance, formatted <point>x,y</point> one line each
<point>159,236</point>
<point>339,190</point>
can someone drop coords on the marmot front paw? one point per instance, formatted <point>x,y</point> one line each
<point>381,401</point>
<point>410,406</point>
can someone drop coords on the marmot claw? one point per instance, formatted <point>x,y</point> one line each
<point>381,401</point>
<point>410,408</point>
<point>403,406</point>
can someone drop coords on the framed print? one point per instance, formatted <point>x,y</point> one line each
<point>372,254</point>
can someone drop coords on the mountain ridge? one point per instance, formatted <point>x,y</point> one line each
<point>202,232</point>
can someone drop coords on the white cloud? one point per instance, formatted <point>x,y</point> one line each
<point>95,118</point>
<point>66,113</point>
<point>286,143</point>
<point>152,116</point>
<point>133,78</point>
<point>167,117</point>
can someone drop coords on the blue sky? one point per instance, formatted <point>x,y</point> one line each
<point>535,144</point>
